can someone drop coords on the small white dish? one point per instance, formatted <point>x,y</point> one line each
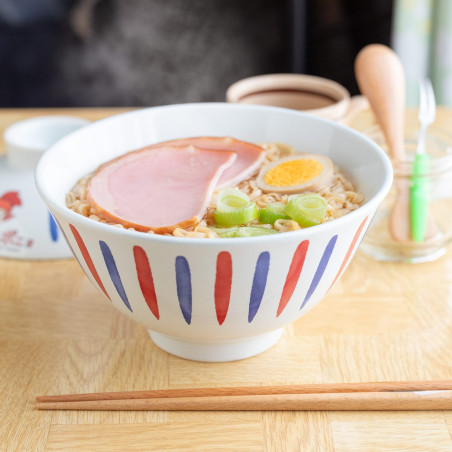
<point>27,230</point>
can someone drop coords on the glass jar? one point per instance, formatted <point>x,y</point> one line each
<point>382,241</point>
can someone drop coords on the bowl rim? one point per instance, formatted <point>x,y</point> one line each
<point>302,233</point>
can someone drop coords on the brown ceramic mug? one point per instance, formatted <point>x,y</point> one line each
<point>316,95</point>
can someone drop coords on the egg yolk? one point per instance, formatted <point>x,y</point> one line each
<point>293,172</point>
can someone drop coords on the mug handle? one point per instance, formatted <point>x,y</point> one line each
<point>357,105</point>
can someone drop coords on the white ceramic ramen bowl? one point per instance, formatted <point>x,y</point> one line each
<point>221,299</point>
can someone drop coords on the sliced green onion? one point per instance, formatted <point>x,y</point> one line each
<point>307,210</point>
<point>224,232</point>
<point>231,199</point>
<point>236,217</point>
<point>234,208</point>
<point>272,212</point>
<point>244,231</point>
<point>254,231</point>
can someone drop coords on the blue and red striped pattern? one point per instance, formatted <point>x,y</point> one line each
<point>223,277</point>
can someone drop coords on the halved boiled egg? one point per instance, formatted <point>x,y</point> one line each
<point>296,174</point>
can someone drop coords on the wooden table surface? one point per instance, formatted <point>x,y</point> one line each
<point>381,322</point>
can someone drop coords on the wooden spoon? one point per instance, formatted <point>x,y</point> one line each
<point>381,79</point>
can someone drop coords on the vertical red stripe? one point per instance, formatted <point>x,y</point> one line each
<point>293,275</point>
<point>223,282</point>
<point>350,250</point>
<point>146,280</point>
<point>88,260</point>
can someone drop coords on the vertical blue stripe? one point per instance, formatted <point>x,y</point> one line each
<point>114,274</point>
<point>320,269</point>
<point>183,281</point>
<point>53,228</point>
<point>259,282</point>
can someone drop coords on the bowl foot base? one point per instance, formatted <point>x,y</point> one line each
<point>216,351</point>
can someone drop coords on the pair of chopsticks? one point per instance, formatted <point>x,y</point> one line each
<point>397,395</point>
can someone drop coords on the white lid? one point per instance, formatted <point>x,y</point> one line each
<point>27,140</point>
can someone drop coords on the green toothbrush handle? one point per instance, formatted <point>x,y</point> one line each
<point>419,197</point>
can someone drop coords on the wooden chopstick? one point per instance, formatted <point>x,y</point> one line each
<point>339,401</point>
<point>387,395</point>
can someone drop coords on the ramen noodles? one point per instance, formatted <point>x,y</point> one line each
<point>287,191</point>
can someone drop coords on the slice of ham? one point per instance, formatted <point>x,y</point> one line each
<point>249,156</point>
<point>158,189</point>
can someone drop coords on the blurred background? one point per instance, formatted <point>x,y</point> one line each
<point>70,53</point>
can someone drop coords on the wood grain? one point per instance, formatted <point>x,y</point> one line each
<point>173,436</point>
<point>381,322</point>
